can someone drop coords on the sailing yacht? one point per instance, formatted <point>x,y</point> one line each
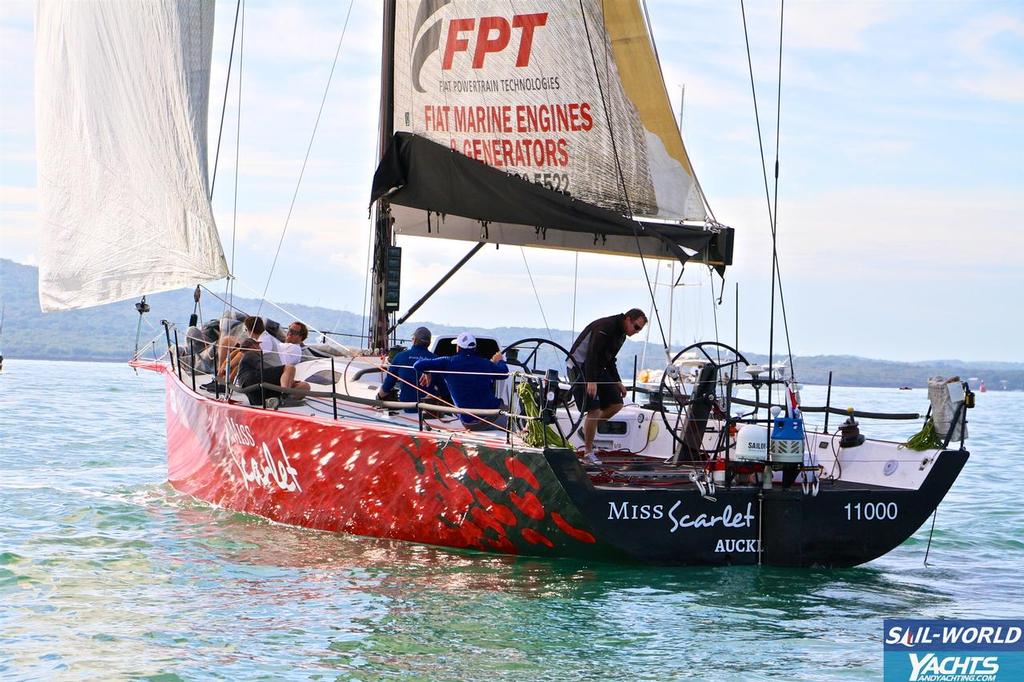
<point>543,124</point>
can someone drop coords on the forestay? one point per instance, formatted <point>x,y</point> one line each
<point>121,111</point>
<point>565,94</point>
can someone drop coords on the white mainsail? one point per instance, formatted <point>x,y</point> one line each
<point>121,109</point>
<point>565,94</point>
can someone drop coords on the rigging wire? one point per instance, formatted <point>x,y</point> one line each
<point>775,221</point>
<point>535,294</point>
<point>575,282</point>
<point>647,337</point>
<point>776,274</point>
<point>305,160</point>
<point>313,330</point>
<point>238,145</point>
<point>224,106</point>
<point>622,177</point>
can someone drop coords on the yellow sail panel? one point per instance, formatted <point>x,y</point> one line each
<point>641,75</point>
<point>641,79</point>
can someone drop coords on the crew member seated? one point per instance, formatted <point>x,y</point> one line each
<point>470,380</point>
<point>400,371</point>
<point>250,369</point>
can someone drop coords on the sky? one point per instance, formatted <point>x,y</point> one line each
<point>901,187</point>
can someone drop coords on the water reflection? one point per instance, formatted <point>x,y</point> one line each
<point>106,572</point>
<point>390,605</point>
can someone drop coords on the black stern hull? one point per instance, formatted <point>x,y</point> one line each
<point>845,524</point>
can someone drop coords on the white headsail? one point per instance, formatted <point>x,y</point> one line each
<point>121,109</point>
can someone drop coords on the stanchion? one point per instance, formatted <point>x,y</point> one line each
<point>334,389</point>
<point>192,350</point>
<point>176,352</point>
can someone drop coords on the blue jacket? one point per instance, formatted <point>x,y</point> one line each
<point>469,389</point>
<point>402,366</point>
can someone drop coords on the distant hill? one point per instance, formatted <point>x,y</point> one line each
<point>108,333</point>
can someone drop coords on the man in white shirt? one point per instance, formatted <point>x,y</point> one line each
<point>279,358</point>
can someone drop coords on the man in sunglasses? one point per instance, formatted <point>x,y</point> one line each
<point>597,388</point>
<point>278,359</point>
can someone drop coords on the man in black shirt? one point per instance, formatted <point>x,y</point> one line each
<point>597,387</point>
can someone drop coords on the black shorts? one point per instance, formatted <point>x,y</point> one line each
<point>607,391</point>
<point>248,375</point>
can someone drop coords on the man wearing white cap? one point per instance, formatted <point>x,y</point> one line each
<point>470,379</point>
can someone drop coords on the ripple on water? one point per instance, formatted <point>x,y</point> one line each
<point>107,572</point>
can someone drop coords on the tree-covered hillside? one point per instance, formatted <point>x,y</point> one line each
<point>108,333</point>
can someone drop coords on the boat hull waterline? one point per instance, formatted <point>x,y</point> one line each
<point>379,480</point>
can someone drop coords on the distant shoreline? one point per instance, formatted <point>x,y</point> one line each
<point>125,361</point>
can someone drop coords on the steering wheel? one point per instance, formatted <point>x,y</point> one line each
<point>679,383</point>
<point>533,356</point>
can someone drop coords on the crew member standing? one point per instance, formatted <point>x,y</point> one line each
<point>596,386</point>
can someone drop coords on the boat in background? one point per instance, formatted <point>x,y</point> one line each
<point>491,132</point>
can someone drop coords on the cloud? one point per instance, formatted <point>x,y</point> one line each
<point>892,234</point>
<point>832,26</point>
<point>996,71</point>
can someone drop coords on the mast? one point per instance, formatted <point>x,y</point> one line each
<point>383,235</point>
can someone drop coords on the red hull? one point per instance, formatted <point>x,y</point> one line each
<point>370,479</point>
<point>376,479</point>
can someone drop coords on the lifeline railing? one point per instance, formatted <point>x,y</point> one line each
<point>175,361</point>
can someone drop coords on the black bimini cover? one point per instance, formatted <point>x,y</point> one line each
<point>475,202</point>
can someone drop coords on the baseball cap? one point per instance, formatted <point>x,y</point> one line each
<point>421,334</point>
<point>465,340</point>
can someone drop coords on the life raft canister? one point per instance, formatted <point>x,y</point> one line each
<point>787,443</point>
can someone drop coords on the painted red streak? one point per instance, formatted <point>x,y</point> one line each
<point>568,529</point>
<point>520,470</point>
<point>499,511</point>
<point>485,520</point>
<point>535,538</point>
<point>529,505</point>
<point>374,480</point>
<point>489,475</point>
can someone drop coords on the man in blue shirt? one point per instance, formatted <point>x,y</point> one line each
<point>402,367</point>
<point>470,379</point>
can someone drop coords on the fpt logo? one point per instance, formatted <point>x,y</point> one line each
<point>953,650</point>
<point>492,35</point>
<point>470,38</point>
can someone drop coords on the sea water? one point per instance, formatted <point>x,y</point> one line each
<point>107,573</point>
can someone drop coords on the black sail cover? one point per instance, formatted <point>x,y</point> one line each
<point>435,191</point>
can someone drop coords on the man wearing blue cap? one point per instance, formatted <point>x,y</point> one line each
<point>401,367</point>
<point>470,379</point>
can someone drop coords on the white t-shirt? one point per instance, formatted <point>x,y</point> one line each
<point>279,353</point>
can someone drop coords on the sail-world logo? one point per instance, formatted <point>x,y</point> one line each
<point>961,650</point>
<point>487,35</point>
